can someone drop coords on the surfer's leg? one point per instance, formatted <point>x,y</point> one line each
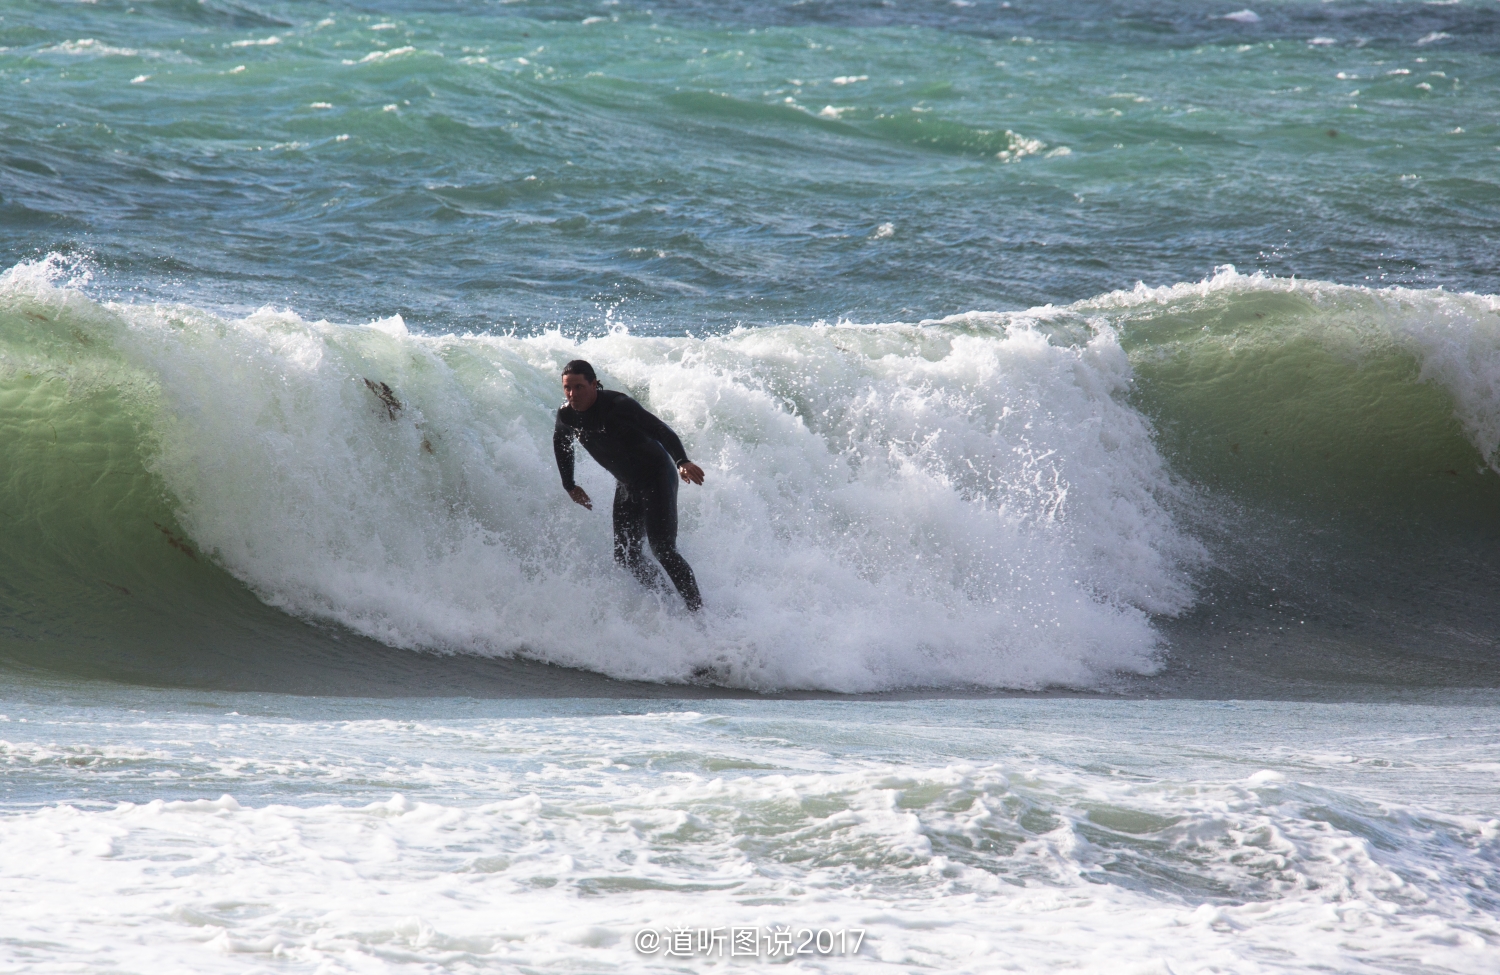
<point>661,531</point>
<point>630,531</point>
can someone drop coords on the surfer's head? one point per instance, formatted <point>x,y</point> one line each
<point>580,385</point>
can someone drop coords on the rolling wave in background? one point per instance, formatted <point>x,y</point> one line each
<point>1061,497</point>
<point>482,165</point>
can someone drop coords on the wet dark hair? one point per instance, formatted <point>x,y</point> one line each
<point>580,367</point>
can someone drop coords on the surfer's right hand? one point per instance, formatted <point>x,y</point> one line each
<point>580,496</point>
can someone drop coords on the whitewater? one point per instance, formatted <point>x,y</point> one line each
<point>890,506</point>
<point>487,836</point>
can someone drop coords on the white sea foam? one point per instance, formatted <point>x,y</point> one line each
<point>1019,147</point>
<point>886,505</point>
<point>1243,17</point>
<point>386,55</point>
<point>1093,837</point>
<point>90,47</point>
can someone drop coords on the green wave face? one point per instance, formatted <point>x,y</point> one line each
<point>1343,446</point>
<point>1318,396</point>
<point>101,579</point>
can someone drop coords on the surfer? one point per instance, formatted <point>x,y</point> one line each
<point>645,457</point>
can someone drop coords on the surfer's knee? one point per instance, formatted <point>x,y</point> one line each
<point>666,551</point>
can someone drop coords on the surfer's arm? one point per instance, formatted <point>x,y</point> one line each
<point>562,449</point>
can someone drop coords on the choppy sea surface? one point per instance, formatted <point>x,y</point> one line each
<point>1138,359</point>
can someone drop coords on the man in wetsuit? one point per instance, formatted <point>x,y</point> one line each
<point>645,457</point>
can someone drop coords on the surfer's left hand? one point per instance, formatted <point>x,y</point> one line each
<point>690,472</point>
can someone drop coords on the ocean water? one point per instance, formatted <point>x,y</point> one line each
<point>211,832</point>
<point>1100,403</point>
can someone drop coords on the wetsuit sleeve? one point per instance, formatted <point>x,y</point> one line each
<point>652,426</point>
<point>562,448</point>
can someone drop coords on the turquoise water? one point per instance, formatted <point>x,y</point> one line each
<point>684,166</point>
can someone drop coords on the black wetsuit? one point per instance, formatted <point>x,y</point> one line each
<point>642,453</point>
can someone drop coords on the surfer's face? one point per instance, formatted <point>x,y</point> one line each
<point>579,392</point>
